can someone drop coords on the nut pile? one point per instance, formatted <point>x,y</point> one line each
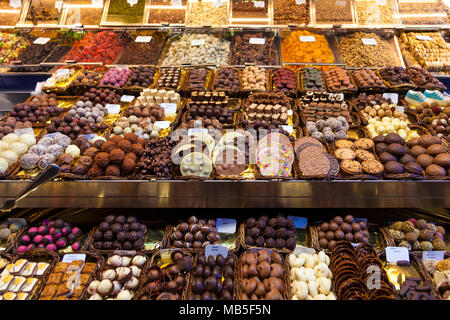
<point>331,11</point>
<point>372,12</point>
<point>254,79</point>
<point>278,232</point>
<point>339,228</point>
<point>196,233</point>
<point>213,278</point>
<point>310,276</point>
<point>418,235</point>
<point>119,279</point>
<point>119,233</point>
<point>289,11</point>
<point>208,14</point>
<point>262,273</point>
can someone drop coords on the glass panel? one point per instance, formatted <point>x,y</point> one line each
<point>374,12</point>
<point>167,11</point>
<point>120,11</point>
<point>289,12</point>
<point>207,13</point>
<point>423,12</point>
<point>249,12</point>
<point>43,12</point>
<point>333,11</point>
<point>141,52</point>
<point>12,44</point>
<point>245,50</point>
<point>88,13</point>
<point>8,14</point>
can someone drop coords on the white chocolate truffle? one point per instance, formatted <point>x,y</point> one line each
<point>124,295</point>
<point>28,139</point>
<point>3,146</point>
<point>18,147</point>
<point>98,138</point>
<point>3,165</point>
<point>10,138</point>
<point>73,150</point>
<point>9,156</point>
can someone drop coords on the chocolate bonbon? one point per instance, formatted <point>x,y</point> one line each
<point>195,233</point>
<point>276,232</point>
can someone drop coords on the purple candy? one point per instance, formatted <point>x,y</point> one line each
<point>25,239</point>
<point>76,230</point>
<point>76,246</point>
<point>61,242</point>
<point>31,246</point>
<point>41,246</point>
<point>66,230</point>
<point>37,239</point>
<point>33,231</point>
<point>49,238</point>
<point>51,247</point>
<point>21,249</point>
<point>51,230</point>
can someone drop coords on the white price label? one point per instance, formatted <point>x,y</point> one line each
<point>193,131</point>
<point>15,3</point>
<point>23,131</point>
<point>97,3</point>
<point>58,5</point>
<point>301,249</point>
<point>213,250</point>
<point>257,41</point>
<point>143,39</point>
<point>217,3</point>
<point>380,2</point>
<point>433,255</point>
<point>400,109</point>
<point>41,40</point>
<point>259,4</point>
<point>132,2</point>
<point>162,124</point>
<point>113,108</point>
<point>62,72</point>
<point>299,2</point>
<point>423,37</point>
<point>290,112</point>
<point>176,3</point>
<point>394,254</point>
<point>169,108</point>
<point>198,42</point>
<point>300,222</point>
<point>127,99</point>
<point>307,39</point>
<point>288,129</point>
<point>38,88</point>
<point>226,225</point>
<point>392,96</point>
<point>68,258</point>
<point>369,41</point>
<point>355,245</point>
<point>341,3</point>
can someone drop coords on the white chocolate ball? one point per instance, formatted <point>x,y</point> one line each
<point>73,150</point>
<point>4,165</point>
<point>28,139</point>
<point>10,138</point>
<point>18,147</point>
<point>9,156</point>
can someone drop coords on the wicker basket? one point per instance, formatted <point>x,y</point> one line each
<point>272,83</point>
<point>301,88</point>
<point>231,93</point>
<point>90,241</point>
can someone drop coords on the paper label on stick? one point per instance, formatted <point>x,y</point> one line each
<point>113,108</point>
<point>169,108</point>
<point>126,98</point>
<point>423,37</point>
<point>259,4</point>
<point>213,250</point>
<point>226,225</point>
<point>58,5</point>
<point>257,41</point>
<point>300,222</point>
<point>97,3</point>
<point>162,124</point>
<point>197,42</point>
<point>41,40</point>
<point>62,72</point>
<point>288,129</point>
<point>400,109</point>
<point>68,258</point>
<point>380,2</point>
<point>15,3</point>
<point>392,96</point>
<point>341,3</point>
<point>143,39</point>
<point>217,3</point>
<point>369,41</point>
<point>23,131</point>
<point>394,254</point>
<point>299,2</point>
<point>301,249</point>
<point>307,39</point>
<point>132,2</point>
<point>433,255</point>
<point>176,3</point>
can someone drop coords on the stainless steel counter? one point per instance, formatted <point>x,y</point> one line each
<point>223,194</point>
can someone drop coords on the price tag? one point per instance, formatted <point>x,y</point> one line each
<point>169,108</point>
<point>307,39</point>
<point>162,124</point>
<point>290,113</point>
<point>113,108</point>
<point>300,222</point>
<point>217,3</point>
<point>89,137</point>
<point>62,72</point>
<point>165,255</point>
<point>125,252</point>
<point>369,41</point>
<point>176,3</point>
<point>380,2</point>
<point>226,225</point>
<point>341,3</point>
<point>58,5</point>
<point>257,41</point>
<point>143,39</point>
<point>300,2</point>
<point>259,4</point>
<point>127,99</point>
<point>68,258</point>
<point>433,255</point>
<point>41,40</point>
<point>355,244</point>
<point>193,131</point>
<point>97,3</point>
<point>132,2</point>
<point>23,131</point>
<point>198,42</point>
<point>392,96</point>
<point>288,129</point>
<point>394,254</point>
<point>423,37</point>
<point>15,3</point>
<point>213,250</point>
<point>400,109</point>
<point>301,249</point>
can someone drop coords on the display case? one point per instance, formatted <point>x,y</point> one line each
<point>291,12</point>
<point>14,42</point>
<point>423,12</point>
<point>170,12</point>
<point>368,48</point>
<point>82,12</point>
<point>333,12</point>
<point>123,12</point>
<point>374,12</point>
<point>9,12</point>
<point>42,13</point>
<point>255,47</point>
<point>208,13</point>
<point>245,12</point>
